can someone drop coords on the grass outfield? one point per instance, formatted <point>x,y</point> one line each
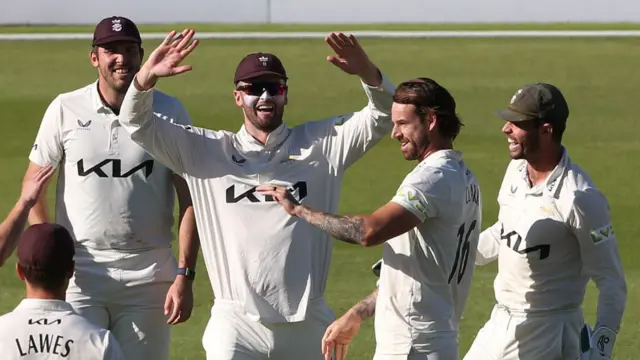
<point>324,27</point>
<point>597,75</point>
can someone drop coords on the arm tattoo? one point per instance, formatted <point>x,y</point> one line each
<point>366,308</point>
<point>349,229</point>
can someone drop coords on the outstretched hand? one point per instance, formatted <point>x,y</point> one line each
<point>281,195</point>
<point>33,186</point>
<point>166,59</point>
<point>351,58</point>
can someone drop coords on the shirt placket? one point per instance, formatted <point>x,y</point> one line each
<point>113,147</point>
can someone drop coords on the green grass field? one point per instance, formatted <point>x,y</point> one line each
<point>598,76</point>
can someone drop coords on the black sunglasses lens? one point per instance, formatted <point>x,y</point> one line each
<point>257,89</point>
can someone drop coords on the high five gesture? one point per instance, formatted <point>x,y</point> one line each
<point>165,60</point>
<point>351,58</point>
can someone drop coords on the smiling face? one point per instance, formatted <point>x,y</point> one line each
<point>262,100</point>
<point>411,130</point>
<point>117,64</point>
<point>525,138</point>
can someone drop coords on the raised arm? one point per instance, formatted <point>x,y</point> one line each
<point>356,133</point>
<point>11,228</point>
<point>590,221</point>
<point>168,137</point>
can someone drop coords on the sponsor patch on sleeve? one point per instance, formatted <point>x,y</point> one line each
<point>410,197</point>
<point>602,234</point>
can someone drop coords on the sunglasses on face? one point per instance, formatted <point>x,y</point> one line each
<point>258,88</point>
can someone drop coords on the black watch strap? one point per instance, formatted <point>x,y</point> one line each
<point>188,273</point>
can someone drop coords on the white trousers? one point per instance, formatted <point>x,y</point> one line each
<point>125,293</point>
<point>418,356</point>
<point>519,336</point>
<point>231,335</point>
<point>432,348</point>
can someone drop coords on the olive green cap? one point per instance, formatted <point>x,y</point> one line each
<point>537,101</point>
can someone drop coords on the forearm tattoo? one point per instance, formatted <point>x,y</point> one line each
<point>366,308</point>
<point>349,229</point>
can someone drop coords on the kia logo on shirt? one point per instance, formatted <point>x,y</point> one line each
<point>250,195</point>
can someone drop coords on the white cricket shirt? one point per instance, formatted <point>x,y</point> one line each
<point>426,272</point>
<point>111,194</point>
<point>51,330</point>
<point>550,240</point>
<point>271,264</point>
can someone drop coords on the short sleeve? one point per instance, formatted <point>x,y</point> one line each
<point>47,148</point>
<point>420,193</point>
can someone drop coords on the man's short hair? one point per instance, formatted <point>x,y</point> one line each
<point>430,97</point>
<point>45,255</point>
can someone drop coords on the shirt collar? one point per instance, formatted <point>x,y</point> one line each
<point>442,154</point>
<point>98,105</point>
<point>44,304</point>
<point>551,183</point>
<point>275,138</point>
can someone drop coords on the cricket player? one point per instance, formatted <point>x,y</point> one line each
<point>12,227</point>
<point>553,234</point>
<point>268,272</point>
<point>429,229</point>
<point>118,202</point>
<point>44,326</point>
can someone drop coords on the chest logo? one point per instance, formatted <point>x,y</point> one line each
<point>298,189</point>
<point>514,242</point>
<point>116,169</point>
<point>84,125</point>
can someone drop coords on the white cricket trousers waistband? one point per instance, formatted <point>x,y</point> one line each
<point>230,334</point>
<point>512,335</point>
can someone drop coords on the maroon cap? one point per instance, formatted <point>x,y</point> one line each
<point>46,247</point>
<point>257,64</point>
<point>115,28</point>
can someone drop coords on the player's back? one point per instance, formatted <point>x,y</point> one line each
<point>50,329</point>
<point>426,274</point>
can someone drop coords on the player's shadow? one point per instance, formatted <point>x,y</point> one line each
<point>551,337</point>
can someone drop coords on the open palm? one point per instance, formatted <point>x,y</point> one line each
<point>339,335</point>
<point>32,186</point>
<point>165,60</point>
<point>350,57</point>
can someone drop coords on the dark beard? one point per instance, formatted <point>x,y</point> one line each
<point>275,122</point>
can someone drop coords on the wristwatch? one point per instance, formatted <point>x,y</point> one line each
<point>188,273</point>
